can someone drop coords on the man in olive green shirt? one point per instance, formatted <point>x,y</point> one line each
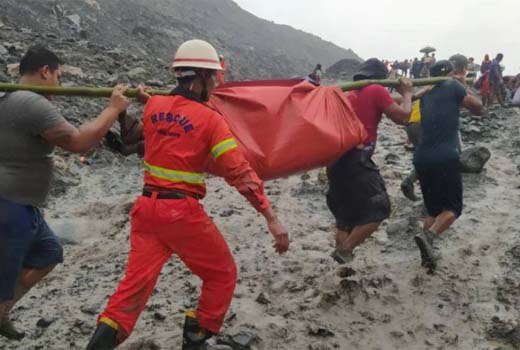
<point>30,128</point>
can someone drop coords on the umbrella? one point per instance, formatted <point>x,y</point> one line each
<point>428,49</point>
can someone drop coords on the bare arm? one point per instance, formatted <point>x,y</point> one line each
<point>132,128</point>
<point>470,101</point>
<point>422,92</point>
<point>474,105</point>
<point>71,139</point>
<point>400,113</point>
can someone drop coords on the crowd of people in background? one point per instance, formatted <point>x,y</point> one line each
<point>493,86</point>
<point>488,77</point>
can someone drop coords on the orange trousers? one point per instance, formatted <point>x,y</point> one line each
<point>160,228</point>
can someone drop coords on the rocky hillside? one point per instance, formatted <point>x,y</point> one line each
<point>343,69</point>
<point>144,33</point>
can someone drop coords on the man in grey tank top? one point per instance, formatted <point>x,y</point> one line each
<point>30,128</point>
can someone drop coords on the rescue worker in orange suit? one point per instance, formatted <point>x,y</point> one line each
<point>184,139</point>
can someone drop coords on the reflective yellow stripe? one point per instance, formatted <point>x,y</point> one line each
<point>174,175</point>
<point>109,322</point>
<point>222,147</point>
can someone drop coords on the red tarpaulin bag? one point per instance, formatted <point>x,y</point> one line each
<point>284,127</point>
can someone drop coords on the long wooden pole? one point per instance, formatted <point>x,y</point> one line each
<point>394,83</point>
<point>106,92</point>
<point>71,91</point>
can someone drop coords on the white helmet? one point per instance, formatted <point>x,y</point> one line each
<point>196,54</point>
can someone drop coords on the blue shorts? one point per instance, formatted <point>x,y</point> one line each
<point>25,242</point>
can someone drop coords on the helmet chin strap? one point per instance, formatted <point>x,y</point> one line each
<point>204,93</point>
<point>202,77</point>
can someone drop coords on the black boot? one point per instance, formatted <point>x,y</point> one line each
<point>407,187</point>
<point>424,241</point>
<point>104,338</point>
<point>194,337</point>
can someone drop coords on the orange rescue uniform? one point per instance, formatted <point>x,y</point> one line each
<point>183,140</point>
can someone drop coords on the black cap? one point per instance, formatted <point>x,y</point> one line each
<point>441,69</point>
<point>459,62</point>
<point>372,69</point>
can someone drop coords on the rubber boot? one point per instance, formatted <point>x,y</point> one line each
<point>194,337</point>
<point>407,187</point>
<point>104,338</point>
<point>424,241</point>
<point>8,330</point>
<point>342,256</point>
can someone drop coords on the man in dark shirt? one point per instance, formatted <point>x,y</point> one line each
<point>416,68</point>
<point>496,81</point>
<point>436,158</point>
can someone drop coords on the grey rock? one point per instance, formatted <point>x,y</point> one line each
<point>263,299</point>
<point>474,159</point>
<point>320,331</point>
<point>3,51</point>
<point>16,46</point>
<point>75,20</point>
<point>391,158</point>
<point>155,83</point>
<point>507,332</point>
<point>474,129</point>
<point>137,73</point>
<point>244,338</point>
<point>44,322</point>
<point>159,316</point>
<point>90,309</point>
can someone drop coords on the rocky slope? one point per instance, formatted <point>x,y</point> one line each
<point>148,32</point>
<point>343,69</point>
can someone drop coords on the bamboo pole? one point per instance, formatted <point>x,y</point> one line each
<point>393,83</point>
<point>72,91</point>
<point>106,92</point>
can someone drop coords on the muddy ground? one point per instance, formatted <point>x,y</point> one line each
<point>301,300</point>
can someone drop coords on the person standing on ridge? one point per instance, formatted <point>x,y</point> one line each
<point>496,80</point>
<point>184,138</point>
<point>472,68</point>
<point>484,67</point>
<point>30,128</point>
<point>315,76</point>
<point>483,81</point>
<point>221,74</point>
